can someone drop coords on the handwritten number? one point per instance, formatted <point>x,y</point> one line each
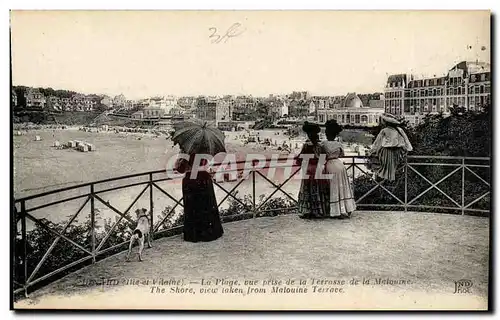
<point>214,35</point>
<point>230,33</point>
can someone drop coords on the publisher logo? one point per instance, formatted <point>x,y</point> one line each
<point>463,286</point>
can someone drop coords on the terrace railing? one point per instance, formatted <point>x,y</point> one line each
<point>462,183</point>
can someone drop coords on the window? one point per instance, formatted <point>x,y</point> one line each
<point>487,88</point>
<point>418,109</point>
<point>481,88</point>
<point>476,89</point>
<point>357,118</point>
<point>434,109</point>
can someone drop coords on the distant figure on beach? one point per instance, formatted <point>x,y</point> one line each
<point>389,148</point>
<point>314,193</point>
<point>201,213</point>
<point>341,202</point>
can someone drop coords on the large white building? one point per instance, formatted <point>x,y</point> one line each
<point>467,85</point>
<point>352,112</point>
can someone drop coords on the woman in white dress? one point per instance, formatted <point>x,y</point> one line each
<point>342,202</point>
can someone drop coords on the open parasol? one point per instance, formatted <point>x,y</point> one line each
<point>198,138</point>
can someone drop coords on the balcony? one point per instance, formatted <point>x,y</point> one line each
<point>393,222</point>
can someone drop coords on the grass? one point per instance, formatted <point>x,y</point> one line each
<point>430,250</point>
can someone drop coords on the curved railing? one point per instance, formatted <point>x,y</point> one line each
<point>46,250</point>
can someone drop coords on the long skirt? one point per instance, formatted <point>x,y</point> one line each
<point>389,159</point>
<point>341,194</point>
<point>201,214</point>
<point>313,198</point>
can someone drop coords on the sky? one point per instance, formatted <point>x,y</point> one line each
<point>146,53</point>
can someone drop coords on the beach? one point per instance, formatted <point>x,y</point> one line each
<point>40,167</point>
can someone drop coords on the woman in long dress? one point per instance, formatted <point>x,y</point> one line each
<point>201,213</point>
<point>390,147</point>
<point>342,202</point>
<point>314,193</point>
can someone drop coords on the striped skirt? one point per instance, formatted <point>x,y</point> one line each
<point>389,158</point>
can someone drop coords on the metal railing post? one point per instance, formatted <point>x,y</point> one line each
<point>25,247</point>
<point>92,222</point>
<point>151,204</point>
<point>353,170</point>
<point>406,184</point>
<point>463,186</point>
<point>253,194</point>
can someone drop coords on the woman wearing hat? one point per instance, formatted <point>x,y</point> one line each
<point>313,194</point>
<point>341,202</point>
<point>390,147</point>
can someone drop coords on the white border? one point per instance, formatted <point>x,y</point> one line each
<point>188,5</point>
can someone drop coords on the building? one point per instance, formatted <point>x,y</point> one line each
<point>34,99</point>
<point>244,107</point>
<point>54,103</point>
<point>66,104</point>
<point>223,110</point>
<point>119,101</point>
<point>277,107</point>
<point>234,125</point>
<point>300,95</point>
<point>129,104</point>
<point>137,115</point>
<point>153,112</point>
<point>186,102</point>
<point>176,111</point>
<point>205,109</point>
<point>352,112</point>
<point>467,85</point>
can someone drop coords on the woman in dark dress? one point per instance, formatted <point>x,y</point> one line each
<point>314,193</point>
<point>201,214</point>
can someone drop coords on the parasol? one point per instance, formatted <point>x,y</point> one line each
<point>199,138</point>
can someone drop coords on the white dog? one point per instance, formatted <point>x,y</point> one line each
<point>140,232</point>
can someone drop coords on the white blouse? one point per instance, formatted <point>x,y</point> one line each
<point>333,149</point>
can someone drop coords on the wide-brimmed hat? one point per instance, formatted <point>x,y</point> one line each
<point>333,126</point>
<point>309,127</point>
<point>389,118</point>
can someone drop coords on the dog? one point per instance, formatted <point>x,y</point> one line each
<point>140,232</point>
